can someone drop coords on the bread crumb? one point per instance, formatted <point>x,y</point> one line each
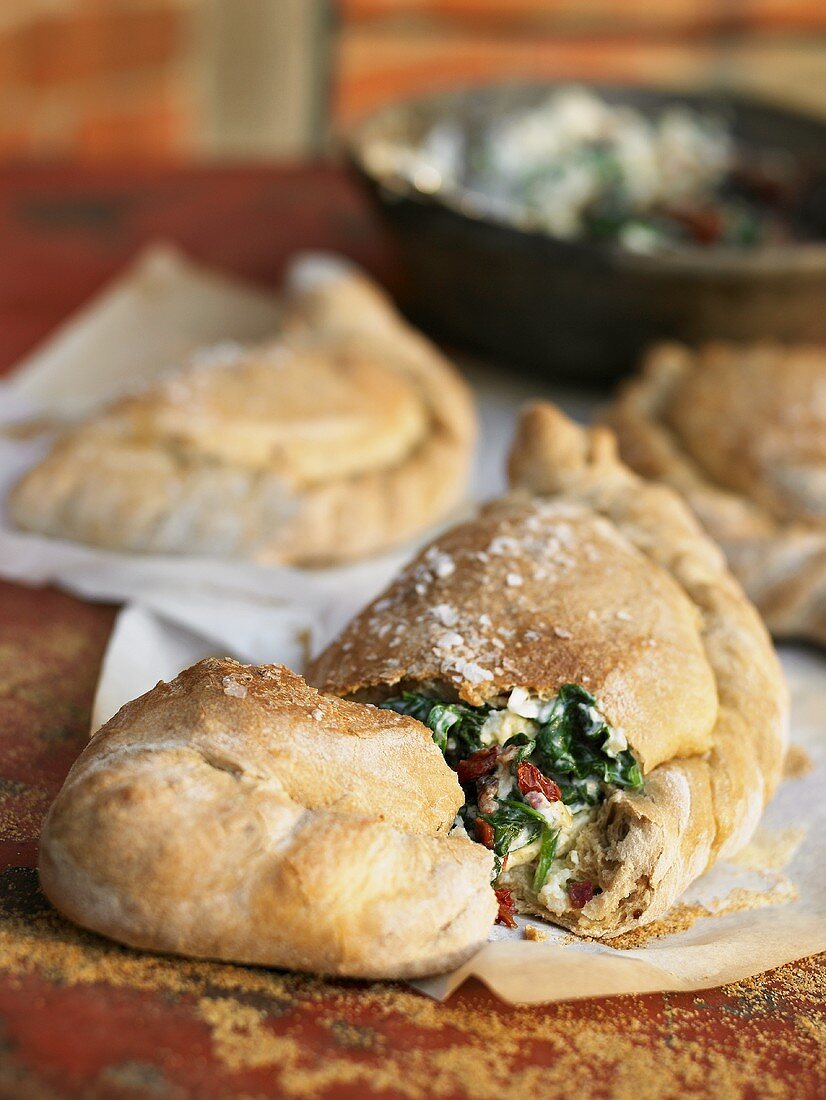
<point>797,763</point>
<point>536,934</point>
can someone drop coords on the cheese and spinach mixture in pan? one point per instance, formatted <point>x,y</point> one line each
<point>580,167</point>
<point>534,772</point>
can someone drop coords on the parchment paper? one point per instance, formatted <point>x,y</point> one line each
<point>152,318</point>
<point>743,917</point>
<point>764,908</point>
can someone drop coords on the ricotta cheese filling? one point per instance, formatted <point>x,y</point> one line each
<point>534,771</point>
<point>524,713</point>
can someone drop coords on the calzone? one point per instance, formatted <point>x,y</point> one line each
<point>235,813</point>
<point>740,432</point>
<point>608,697</point>
<point>346,435</point>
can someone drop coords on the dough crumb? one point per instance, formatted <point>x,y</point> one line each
<point>536,934</point>
<point>797,763</point>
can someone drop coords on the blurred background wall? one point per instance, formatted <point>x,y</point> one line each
<point>115,79</point>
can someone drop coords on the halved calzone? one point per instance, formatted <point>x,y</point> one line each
<point>348,434</point>
<point>608,697</point>
<point>235,813</point>
<point>740,432</point>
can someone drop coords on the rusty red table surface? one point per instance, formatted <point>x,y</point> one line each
<point>80,1017</point>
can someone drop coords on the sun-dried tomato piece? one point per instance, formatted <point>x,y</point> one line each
<point>478,765</point>
<point>580,893</point>
<point>505,915</point>
<point>704,225</point>
<point>530,778</point>
<point>484,832</point>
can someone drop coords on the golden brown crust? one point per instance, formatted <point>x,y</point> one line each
<point>712,682</point>
<point>334,442</point>
<point>740,432</point>
<point>537,594</point>
<point>235,813</point>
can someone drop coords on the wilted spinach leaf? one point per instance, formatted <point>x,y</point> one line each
<point>455,726</point>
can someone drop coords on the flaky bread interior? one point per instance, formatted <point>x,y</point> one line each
<point>346,435</point>
<point>740,432</point>
<point>235,813</point>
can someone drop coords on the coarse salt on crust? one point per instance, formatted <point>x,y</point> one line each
<point>456,660</point>
<point>441,564</point>
<point>223,354</point>
<point>233,688</point>
<point>472,672</point>
<point>445,614</point>
<point>504,546</point>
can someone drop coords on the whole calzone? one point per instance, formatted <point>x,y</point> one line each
<point>607,695</point>
<point>740,432</point>
<point>346,435</point>
<point>235,813</point>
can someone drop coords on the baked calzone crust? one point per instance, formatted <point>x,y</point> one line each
<point>740,432</point>
<point>608,696</point>
<point>348,434</point>
<point>235,813</point>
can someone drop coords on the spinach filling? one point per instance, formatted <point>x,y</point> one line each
<point>564,759</point>
<point>456,727</point>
